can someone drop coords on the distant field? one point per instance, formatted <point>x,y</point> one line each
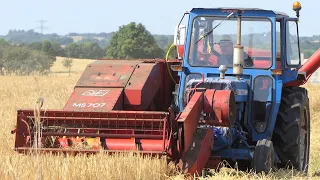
<point>22,92</point>
<point>78,66</point>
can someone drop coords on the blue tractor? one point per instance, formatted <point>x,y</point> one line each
<point>248,63</point>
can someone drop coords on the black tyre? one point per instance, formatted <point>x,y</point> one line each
<point>291,137</point>
<point>263,157</point>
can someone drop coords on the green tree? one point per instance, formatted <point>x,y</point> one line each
<point>67,63</point>
<point>35,46</point>
<point>163,40</point>
<point>24,61</point>
<point>72,50</point>
<point>87,50</point>
<point>47,47</point>
<point>57,49</point>
<point>3,45</point>
<point>133,41</point>
<point>173,51</point>
<point>51,48</point>
<point>308,53</point>
<point>91,50</point>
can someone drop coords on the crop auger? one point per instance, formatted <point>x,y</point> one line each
<point>231,94</point>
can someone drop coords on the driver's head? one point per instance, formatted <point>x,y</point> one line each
<point>226,45</point>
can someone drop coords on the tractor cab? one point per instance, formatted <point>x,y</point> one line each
<point>216,36</point>
<point>248,50</point>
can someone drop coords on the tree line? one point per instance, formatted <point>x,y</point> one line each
<point>30,36</point>
<point>38,57</point>
<point>87,50</point>
<point>130,41</point>
<point>21,60</point>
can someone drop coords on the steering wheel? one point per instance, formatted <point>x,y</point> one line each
<point>203,58</point>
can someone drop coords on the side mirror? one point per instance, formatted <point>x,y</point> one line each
<point>180,35</point>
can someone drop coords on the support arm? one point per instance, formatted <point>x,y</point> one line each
<point>308,69</point>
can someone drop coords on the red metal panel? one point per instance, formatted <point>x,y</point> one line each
<point>168,85</point>
<point>151,145</point>
<point>224,107</point>
<point>198,154</point>
<point>22,127</point>
<point>121,144</point>
<point>107,73</point>
<point>190,117</point>
<point>208,101</point>
<point>94,99</point>
<point>143,85</point>
<point>312,64</point>
<point>309,67</point>
<point>63,142</point>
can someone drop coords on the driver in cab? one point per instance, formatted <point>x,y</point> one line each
<point>226,58</point>
<point>227,51</point>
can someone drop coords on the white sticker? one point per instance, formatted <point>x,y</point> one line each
<point>96,92</point>
<point>241,92</point>
<point>95,105</point>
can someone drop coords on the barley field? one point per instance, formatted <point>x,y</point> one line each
<point>22,92</point>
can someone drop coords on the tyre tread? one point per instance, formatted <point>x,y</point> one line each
<point>286,133</point>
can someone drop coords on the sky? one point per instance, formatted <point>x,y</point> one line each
<point>159,17</point>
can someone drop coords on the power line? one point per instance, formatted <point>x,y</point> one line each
<point>42,27</point>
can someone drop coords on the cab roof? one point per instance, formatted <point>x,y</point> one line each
<point>277,13</point>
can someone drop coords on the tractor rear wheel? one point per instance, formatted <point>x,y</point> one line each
<point>291,137</point>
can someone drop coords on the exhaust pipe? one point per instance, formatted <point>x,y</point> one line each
<point>238,61</point>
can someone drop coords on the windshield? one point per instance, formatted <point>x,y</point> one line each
<point>217,48</point>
